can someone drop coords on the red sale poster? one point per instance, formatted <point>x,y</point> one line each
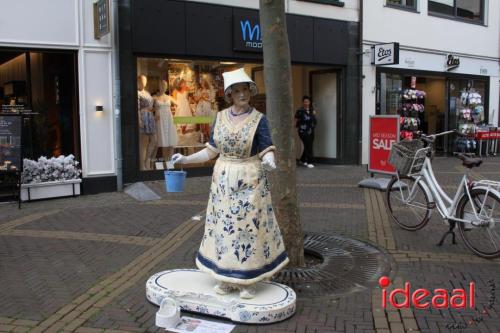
<point>384,131</point>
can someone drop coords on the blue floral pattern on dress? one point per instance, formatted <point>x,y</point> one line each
<point>241,232</point>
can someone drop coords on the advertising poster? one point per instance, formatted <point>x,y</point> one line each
<point>384,131</point>
<point>10,142</point>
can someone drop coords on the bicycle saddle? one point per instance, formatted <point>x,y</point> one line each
<point>469,162</point>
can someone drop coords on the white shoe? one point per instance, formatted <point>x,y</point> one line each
<point>223,288</point>
<point>247,292</point>
<point>304,164</point>
<point>310,166</point>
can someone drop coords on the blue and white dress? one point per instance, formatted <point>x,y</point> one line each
<point>242,243</point>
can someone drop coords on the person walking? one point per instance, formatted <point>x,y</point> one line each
<point>305,118</point>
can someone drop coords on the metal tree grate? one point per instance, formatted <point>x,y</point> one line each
<point>348,266</point>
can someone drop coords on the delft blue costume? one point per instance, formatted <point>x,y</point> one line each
<point>242,243</point>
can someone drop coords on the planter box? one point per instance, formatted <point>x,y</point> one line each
<point>63,188</point>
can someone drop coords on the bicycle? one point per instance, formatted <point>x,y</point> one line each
<point>415,192</point>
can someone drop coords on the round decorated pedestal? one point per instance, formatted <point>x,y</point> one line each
<point>193,291</point>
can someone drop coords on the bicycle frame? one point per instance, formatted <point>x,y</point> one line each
<point>445,205</point>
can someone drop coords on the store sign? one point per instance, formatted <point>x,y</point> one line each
<point>488,135</point>
<point>452,62</point>
<point>247,34</point>
<point>384,132</point>
<point>386,54</point>
<point>101,18</point>
<point>10,142</point>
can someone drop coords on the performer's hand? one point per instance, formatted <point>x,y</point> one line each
<point>268,162</point>
<point>179,158</point>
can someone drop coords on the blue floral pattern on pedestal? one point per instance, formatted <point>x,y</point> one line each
<point>241,311</point>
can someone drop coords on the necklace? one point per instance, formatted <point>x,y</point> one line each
<point>239,114</point>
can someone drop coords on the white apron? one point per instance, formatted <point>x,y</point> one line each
<point>242,243</point>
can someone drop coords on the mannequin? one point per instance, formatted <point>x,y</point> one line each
<point>147,126</point>
<point>204,105</point>
<point>183,108</point>
<point>165,129</point>
<point>242,243</point>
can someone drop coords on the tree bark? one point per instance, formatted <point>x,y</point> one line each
<point>279,106</point>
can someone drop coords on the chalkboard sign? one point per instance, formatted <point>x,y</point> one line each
<point>10,142</point>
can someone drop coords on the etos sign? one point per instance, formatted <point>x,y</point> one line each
<point>386,54</point>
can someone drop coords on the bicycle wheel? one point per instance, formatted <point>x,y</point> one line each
<point>408,203</point>
<point>482,235</point>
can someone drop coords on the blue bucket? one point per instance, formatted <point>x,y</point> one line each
<point>174,180</point>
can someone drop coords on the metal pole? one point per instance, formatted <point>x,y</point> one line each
<point>116,100</point>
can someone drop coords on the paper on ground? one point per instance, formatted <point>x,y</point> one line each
<point>194,325</point>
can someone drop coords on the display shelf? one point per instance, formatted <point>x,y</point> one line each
<point>470,113</point>
<point>412,106</point>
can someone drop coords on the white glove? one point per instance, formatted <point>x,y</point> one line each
<point>199,157</point>
<point>179,158</point>
<point>268,162</point>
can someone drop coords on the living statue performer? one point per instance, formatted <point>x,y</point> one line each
<point>242,243</point>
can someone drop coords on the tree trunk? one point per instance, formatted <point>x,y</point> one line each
<point>279,106</point>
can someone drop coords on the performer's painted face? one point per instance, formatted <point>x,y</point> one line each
<point>240,93</point>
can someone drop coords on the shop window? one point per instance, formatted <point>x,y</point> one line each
<point>403,4</point>
<point>43,83</point>
<point>391,87</point>
<point>468,10</point>
<point>178,99</point>
<point>177,104</point>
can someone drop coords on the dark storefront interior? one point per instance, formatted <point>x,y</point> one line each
<point>44,83</point>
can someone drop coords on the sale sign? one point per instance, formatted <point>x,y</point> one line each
<point>384,131</point>
<point>488,135</point>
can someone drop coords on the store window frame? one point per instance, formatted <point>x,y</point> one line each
<point>76,121</point>
<point>446,75</point>
<point>336,3</point>
<point>455,17</point>
<point>408,8</point>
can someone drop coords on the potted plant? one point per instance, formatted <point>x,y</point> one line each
<point>50,178</point>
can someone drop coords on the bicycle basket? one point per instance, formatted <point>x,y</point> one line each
<point>408,156</point>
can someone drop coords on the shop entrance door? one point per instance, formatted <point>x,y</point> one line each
<point>325,100</point>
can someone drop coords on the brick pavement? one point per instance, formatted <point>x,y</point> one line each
<point>80,265</point>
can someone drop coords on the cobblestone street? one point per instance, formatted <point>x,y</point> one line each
<point>80,264</point>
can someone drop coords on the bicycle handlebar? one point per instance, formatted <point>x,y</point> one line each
<point>429,139</point>
<point>433,136</point>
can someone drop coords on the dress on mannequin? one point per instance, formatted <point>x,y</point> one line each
<point>147,125</point>
<point>183,108</point>
<point>166,131</point>
<point>204,107</point>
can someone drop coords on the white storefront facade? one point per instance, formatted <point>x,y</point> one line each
<point>444,55</point>
<point>48,53</point>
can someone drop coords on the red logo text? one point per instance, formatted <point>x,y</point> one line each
<point>423,298</point>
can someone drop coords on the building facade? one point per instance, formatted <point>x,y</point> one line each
<point>173,54</point>
<point>448,71</point>
<point>51,63</point>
